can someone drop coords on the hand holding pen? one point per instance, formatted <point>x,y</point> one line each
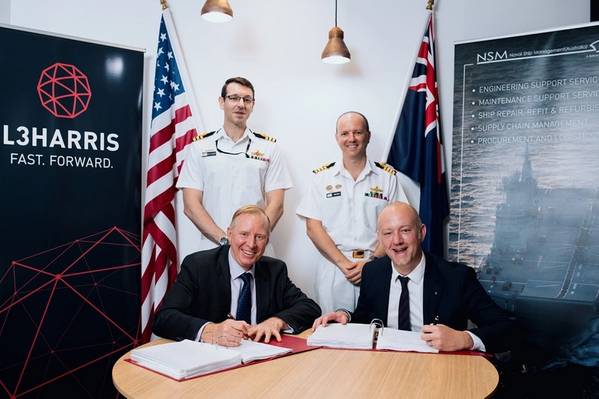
<point>230,332</point>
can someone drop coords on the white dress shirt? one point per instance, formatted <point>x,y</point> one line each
<point>416,290</point>
<point>235,270</point>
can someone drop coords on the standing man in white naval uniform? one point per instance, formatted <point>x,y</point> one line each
<point>341,211</point>
<point>232,167</point>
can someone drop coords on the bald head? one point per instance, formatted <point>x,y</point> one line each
<point>400,232</point>
<point>399,208</point>
<point>350,115</point>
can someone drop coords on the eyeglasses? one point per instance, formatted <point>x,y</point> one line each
<point>235,98</point>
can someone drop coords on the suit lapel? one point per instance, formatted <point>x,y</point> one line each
<point>432,292</point>
<point>382,296</point>
<point>261,273</point>
<point>223,280</point>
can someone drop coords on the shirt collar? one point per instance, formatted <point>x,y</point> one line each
<point>416,275</point>
<point>221,134</point>
<point>338,168</point>
<point>235,269</point>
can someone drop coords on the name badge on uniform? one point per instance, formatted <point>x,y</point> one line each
<point>331,193</point>
<point>208,153</point>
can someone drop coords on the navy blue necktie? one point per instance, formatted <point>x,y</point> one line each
<point>404,305</point>
<point>244,302</point>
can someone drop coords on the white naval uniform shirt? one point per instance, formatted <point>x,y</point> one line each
<point>349,209</point>
<point>233,174</point>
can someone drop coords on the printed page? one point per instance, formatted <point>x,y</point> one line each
<point>399,340</point>
<point>350,336</point>
<point>186,358</point>
<point>252,351</point>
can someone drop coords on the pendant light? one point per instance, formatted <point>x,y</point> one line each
<point>335,52</point>
<point>217,11</point>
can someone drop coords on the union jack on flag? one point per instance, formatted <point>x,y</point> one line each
<point>172,129</point>
<point>417,149</point>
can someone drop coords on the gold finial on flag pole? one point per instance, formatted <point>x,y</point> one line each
<point>429,5</point>
<point>165,6</point>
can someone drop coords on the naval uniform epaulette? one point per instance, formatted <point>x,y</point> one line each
<point>265,137</point>
<point>386,167</point>
<point>323,167</point>
<point>203,135</point>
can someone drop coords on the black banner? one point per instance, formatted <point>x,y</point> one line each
<point>70,156</point>
<point>525,204</point>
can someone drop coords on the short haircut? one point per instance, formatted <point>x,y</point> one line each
<point>238,80</point>
<point>251,210</point>
<point>366,125</point>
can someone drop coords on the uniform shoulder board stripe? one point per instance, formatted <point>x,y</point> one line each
<point>265,137</point>
<point>203,135</point>
<point>386,167</point>
<point>323,167</point>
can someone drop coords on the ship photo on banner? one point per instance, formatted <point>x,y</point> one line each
<point>525,187</point>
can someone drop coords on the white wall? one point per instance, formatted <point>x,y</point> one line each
<point>277,45</point>
<point>4,11</point>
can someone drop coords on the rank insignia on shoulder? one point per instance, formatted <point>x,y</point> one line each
<point>202,135</point>
<point>386,167</point>
<point>265,137</point>
<point>259,155</point>
<point>323,167</point>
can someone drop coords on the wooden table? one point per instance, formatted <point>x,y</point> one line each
<point>324,373</point>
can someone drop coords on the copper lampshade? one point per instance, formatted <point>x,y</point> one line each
<point>217,11</point>
<point>335,52</point>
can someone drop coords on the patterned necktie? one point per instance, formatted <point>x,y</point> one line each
<point>404,305</point>
<point>244,302</point>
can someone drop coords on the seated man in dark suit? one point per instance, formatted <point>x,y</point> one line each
<point>235,280</point>
<point>412,290</point>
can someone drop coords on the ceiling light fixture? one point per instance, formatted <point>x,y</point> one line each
<point>335,52</point>
<point>217,11</point>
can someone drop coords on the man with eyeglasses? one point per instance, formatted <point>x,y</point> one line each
<point>341,210</point>
<point>232,167</point>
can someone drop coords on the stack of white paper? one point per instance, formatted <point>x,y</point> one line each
<point>399,340</point>
<point>351,336</point>
<point>360,336</point>
<point>251,351</point>
<point>186,359</point>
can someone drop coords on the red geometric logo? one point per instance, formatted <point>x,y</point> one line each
<point>64,90</point>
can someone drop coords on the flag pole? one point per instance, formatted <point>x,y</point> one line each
<point>165,5</point>
<point>429,5</point>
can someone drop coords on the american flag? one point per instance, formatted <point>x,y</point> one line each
<point>172,129</point>
<point>417,149</point>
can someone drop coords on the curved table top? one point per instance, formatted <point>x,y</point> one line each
<point>330,373</point>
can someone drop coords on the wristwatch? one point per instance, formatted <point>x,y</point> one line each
<point>223,241</point>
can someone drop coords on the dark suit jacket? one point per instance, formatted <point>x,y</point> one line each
<point>202,293</point>
<point>452,295</point>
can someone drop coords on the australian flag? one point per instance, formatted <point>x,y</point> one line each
<point>417,150</point>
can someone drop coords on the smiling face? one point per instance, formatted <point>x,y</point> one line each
<point>237,112</point>
<point>400,232</point>
<point>352,135</point>
<point>248,236</point>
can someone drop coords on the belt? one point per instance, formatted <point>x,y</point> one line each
<point>358,253</point>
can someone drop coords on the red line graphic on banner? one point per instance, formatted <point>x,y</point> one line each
<point>60,300</point>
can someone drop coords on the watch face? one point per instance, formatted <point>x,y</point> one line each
<point>224,241</point>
